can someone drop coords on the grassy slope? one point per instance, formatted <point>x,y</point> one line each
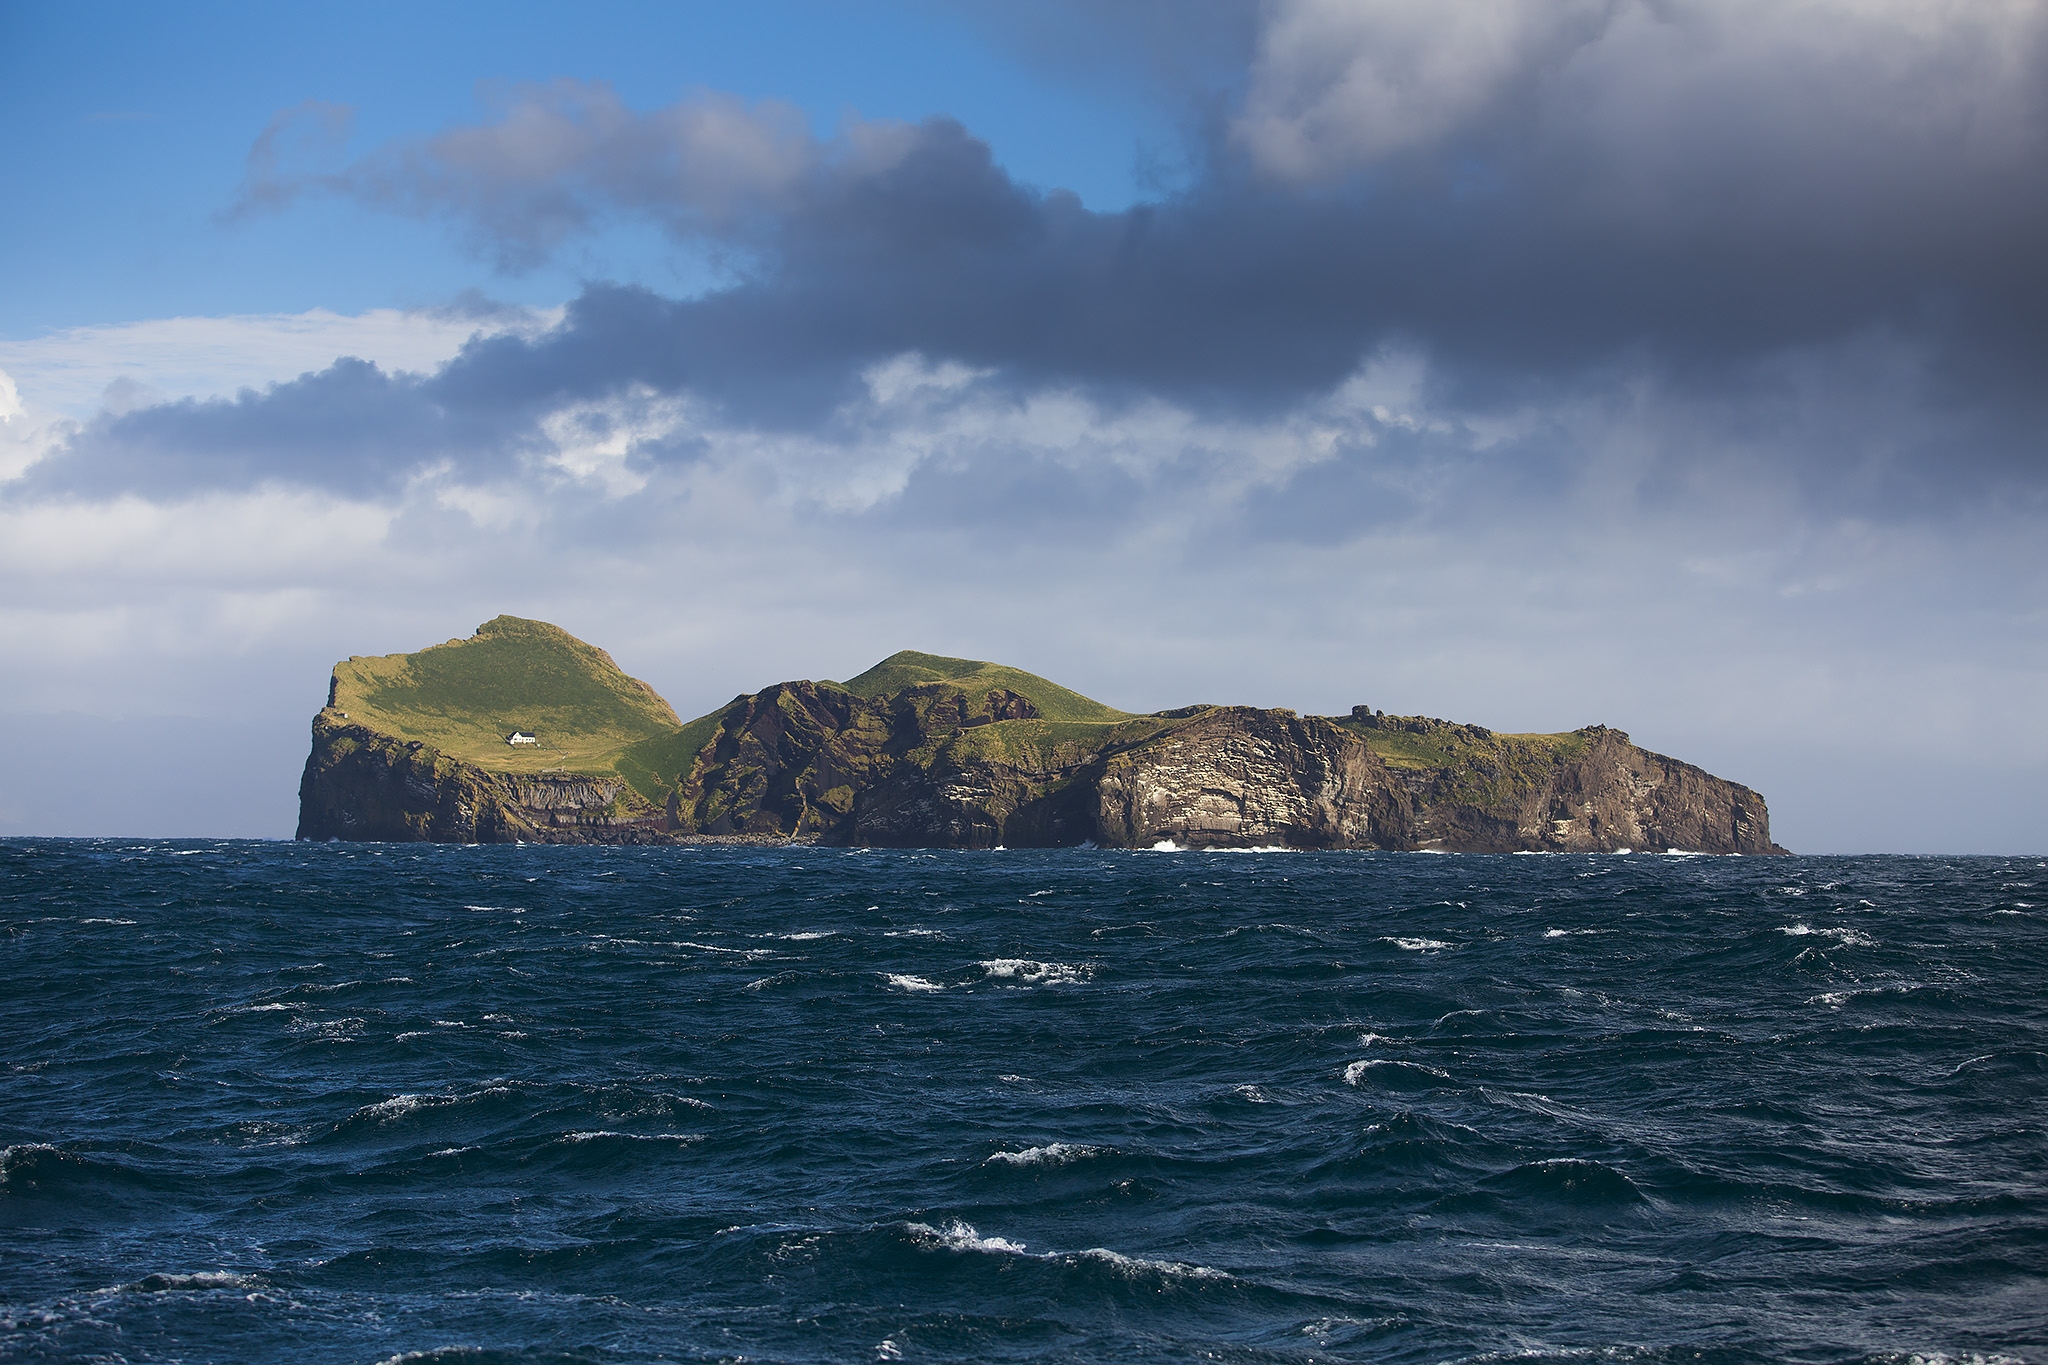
<point>463,697</point>
<point>655,765</point>
<point>1046,745</point>
<point>1482,770</point>
<point>1449,747</point>
<point>910,668</point>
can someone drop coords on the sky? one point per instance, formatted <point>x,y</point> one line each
<point>1676,365</point>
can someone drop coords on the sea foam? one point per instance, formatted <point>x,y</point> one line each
<point>1034,973</point>
<point>1052,1154</point>
<point>905,982</point>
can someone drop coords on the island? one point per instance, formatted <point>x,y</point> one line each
<point>524,733</point>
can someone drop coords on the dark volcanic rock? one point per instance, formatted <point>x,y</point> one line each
<point>1597,796</point>
<point>360,784</point>
<point>808,761</point>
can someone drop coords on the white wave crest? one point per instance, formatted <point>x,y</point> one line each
<point>959,1236</point>
<point>596,1133</point>
<point>332,1030</point>
<point>779,979</point>
<point>1417,945</point>
<point>1848,938</point>
<point>1166,846</point>
<point>1836,999</point>
<point>197,1280</point>
<point>398,1106</point>
<point>1135,1266</point>
<point>1052,1154</point>
<point>903,982</point>
<point>1034,973</point>
<point>435,1355</point>
<point>1356,1072</point>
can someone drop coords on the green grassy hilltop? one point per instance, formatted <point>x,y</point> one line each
<point>465,696</point>
<point>910,668</point>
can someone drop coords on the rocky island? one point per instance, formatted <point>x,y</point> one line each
<point>523,733</point>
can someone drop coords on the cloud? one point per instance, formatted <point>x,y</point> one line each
<point>67,373</point>
<point>312,131</point>
<point>1338,85</point>
<point>1873,95</point>
<point>1668,365</point>
<point>350,427</point>
<point>1533,197</point>
<point>563,157</point>
<point>1368,548</point>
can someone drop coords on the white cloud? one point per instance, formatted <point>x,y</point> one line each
<point>1340,84</point>
<point>1372,545</point>
<point>24,438</point>
<point>267,537</point>
<point>69,373</point>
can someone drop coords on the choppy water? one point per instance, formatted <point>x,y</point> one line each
<point>267,1102</point>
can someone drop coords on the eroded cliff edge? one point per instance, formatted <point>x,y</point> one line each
<point>925,751</point>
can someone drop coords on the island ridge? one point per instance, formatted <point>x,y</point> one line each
<point>927,751</point>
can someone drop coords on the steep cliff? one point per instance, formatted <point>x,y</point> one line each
<point>360,784</point>
<point>1589,790</point>
<point>414,746</point>
<point>1234,776</point>
<point>928,751</point>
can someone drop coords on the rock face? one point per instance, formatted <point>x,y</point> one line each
<point>923,751</point>
<point>1234,776</point>
<point>1592,793</point>
<point>360,784</point>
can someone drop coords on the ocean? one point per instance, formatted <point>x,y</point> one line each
<point>358,1103</point>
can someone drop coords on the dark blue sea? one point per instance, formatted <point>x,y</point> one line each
<point>267,1102</point>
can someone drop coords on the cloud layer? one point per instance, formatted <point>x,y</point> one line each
<point>1671,364</point>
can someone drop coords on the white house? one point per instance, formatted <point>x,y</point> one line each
<point>520,737</point>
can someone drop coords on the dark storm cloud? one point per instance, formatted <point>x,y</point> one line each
<point>350,428</point>
<point>1541,223</point>
<point>1542,206</point>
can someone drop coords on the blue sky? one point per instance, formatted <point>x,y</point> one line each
<point>1673,366</point>
<point>142,117</point>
